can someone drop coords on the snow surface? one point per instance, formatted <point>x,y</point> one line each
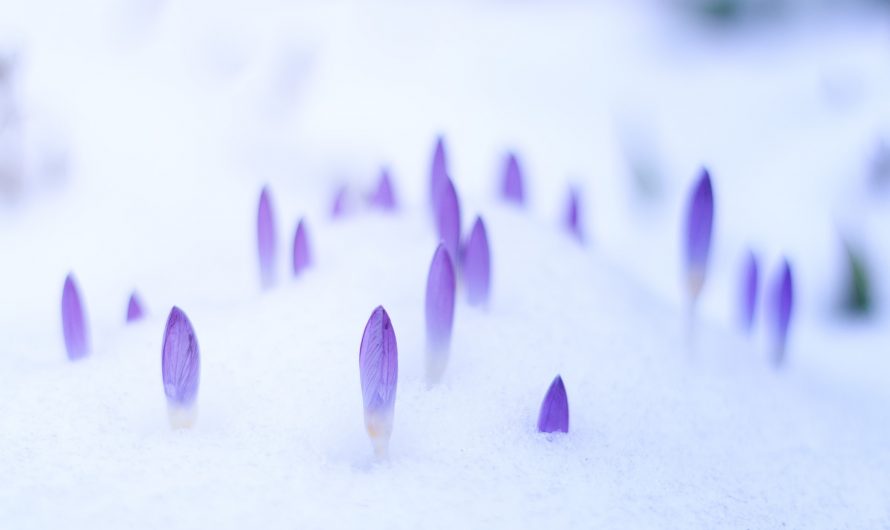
<point>170,117</point>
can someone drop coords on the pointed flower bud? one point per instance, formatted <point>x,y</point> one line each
<point>440,287</point>
<point>438,169</point>
<point>477,265</point>
<point>572,219</point>
<point>338,208</point>
<point>749,291</point>
<point>378,361</point>
<point>302,256</point>
<point>383,197</point>
<point>700,217</point>
<point>266,239</point>
<point>783,301</point>
<point>512,188</point>
<point>74,326</point>
<point>554,416</point>
<point>134,308</point>
<point>447,211</point>
<point>180,368</point>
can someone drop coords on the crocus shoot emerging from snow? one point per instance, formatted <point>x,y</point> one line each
<point>74,326</point>
<point>134,308</point>
<point>572,218</point>
<point>750,275</point>
<point>554,416</point>
<point>447,212</point>
<point>700,217</point>
<point>438,169</point>
<point>384,197</point>
<point>783,303</point>
<point>338,207</point>
<point>440,288</point>
<point>378,361</point>
<point>265,228</point>
<point>302,256</point>
<point>180,368</point>
<point>477,265</point>
<point>512,187</point>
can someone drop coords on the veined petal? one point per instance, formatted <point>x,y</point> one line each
<point>180,365</point>
<point>379,374</point>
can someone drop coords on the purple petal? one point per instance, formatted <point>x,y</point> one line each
<point>477,265</point>
<point>447,211</point>
<point>573,223</point>
<point>302,257</point>
<point>383,196</point>
<point>439,169</point>
<point>783,300</point>
<point>266,239</point>
<point>440,287</point>
<point>700,217</point>
<point>180,361</point>
<point>554,415</point>
<point>378,361</point>
<point>338,208</point>
<point>134,308</point>
<point>512,188</point>
<point>749,291</point>
<point>74,329</point>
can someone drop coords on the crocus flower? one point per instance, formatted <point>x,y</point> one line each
<point>378,361</point>
<point>180,368</point>
<point>338,207</point>
<point>440,287</point>
<point>749,291</point>
<point>477,265</point>
<point>74,326</point>
<point>700,217</point>
<point>572,219</point>
<point>554,416</point>
<point>134,308</point>
<point>512,188</point>
<point>383,197</point>
<point>447,211</point>
<point>266,239</point>
<point>783,303</point>
<point>438,169</point>
<point>302,256</point>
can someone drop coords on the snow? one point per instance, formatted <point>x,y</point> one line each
<point>171,117</point>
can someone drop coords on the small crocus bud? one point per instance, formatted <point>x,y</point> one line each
<point>180,369</point>
<point>749,291</point>
<point>74,326</point>
<point>384,197</point>
<point>554,415</point>
<point>338,207</point>
<point>448,217</point>
<point>378,361</point>
<point>512,188</point>
<point>134,308</point>
<point>783,302</point>
<point>438,169</point>
<point>572,219</point>
<point>477,265</point>
<point>266,239</point>
<point>302,256</point>
<point>440,287</point>
<point>700,217</point>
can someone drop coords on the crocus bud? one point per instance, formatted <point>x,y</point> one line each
<point>700,217</point>
<point>180,369</point>
<point>440,287</point>
<point>858,293</point>
<point>438,169</point>
<point>378,361</point>
<point>74,326</point>
<point>266,246</point>
<point>749,291</point>
<point>477,265</point>
<point>512,188</point>
<point>554,416</point>
<point>384,197</point>
<point>572,218</point>
<point>302,256</point>
<point>338,207</point>
<point>134,308</point>
<point>783,302</point>
<point>448,217</point>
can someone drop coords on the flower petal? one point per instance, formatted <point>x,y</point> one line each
<point>180,360</point>
<point>379,373</point>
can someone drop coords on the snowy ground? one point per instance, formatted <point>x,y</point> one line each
<point>164,120</point>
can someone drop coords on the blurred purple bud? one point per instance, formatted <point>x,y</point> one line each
<point>439,169</point>
<point>180,367</point>
<point>447,210</point>
<point>700,217</point>
<point>378,361</point>
<point>134,308</point>
<point>338,208</point>
<point>783,300</point>
<point>74,327</point>
<point>302,256</point>
<point>440,287</point>
<point>383,197</point>
<point>554,415</point>
<point>512,188</point>
<point>265,228</point>
<point>573,221</point>
<point>749,291</point>
<point>477,265</point>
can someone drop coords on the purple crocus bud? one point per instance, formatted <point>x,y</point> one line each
<point>378,361</point>
<point>383,197</point>
<point>512,188</point>
<point>265,228</point>
<point>134,308</point>
<point>700,217</point>
<point>180,368</point>
<point>440,287</point>
<point>572,219</point>
<point>477,265</point>
<point>749,291</point>
<point>338,208</point>
<point>302,257</point>
<point>447,210</point>
<point>439,169</point>
<point>783,302</point>
<point>74,327</point>
<point>554,416</point>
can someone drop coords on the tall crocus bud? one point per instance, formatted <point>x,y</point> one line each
<point>440,287</point>
<point>700,217</point>
<point>438,169</point>
<point>74,326</point>
<point>554,416</point>
<point>265,229</point>
<point>477,265</point>
<point>572,218</point>
<point>447,210</point>
<point>749,291</point>
<point>512,188</point>
<point>180,368</point>
<point>783,303</point>
<point>302,256</point>
<point>384,197</point>
<point>134,308</point>
<point>338,207</point>
<point>378,361</point>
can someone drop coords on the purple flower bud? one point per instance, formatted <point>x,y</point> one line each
<point>302,256</point>
<point>383,196</point>
<point>554,415</point>
<point>378,361</point>
<point>783,302</point>
<point>338,208</point>
<point>512,188</point>
<point>477,265</point>
<point>572,219</point>
<point>134,308</point>
<point>180,368</point>
<point>749,291</point>
<point>439,169</point>
<point>440,287</point>
<point>700,217</point>
<point>265,228</point>
<point>74,327</point>
<point>448,217</point>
